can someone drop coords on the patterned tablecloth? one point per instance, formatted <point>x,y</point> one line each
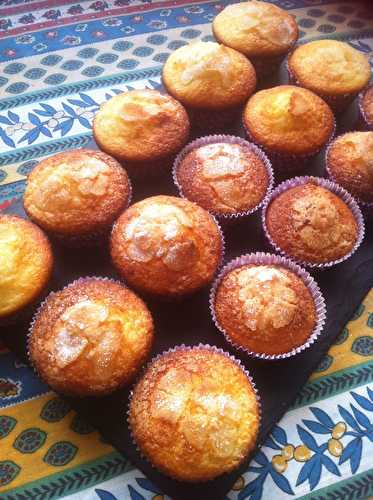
<point>59,59</point>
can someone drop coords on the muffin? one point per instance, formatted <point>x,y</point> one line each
<point>267,306</point>
<point>366,108</point>
<point>194,413</point>
<point>26,262</point>
<point>313,221</point>
<point>77,195</point>
<point>211,80</point>
<point>349,162</point>
<point>90,338</point>
<point>224,174</point>
<point>144,129</point>
<point>262,31</point>
<point>334,70</point>
<point>166,246</point>
<point>290,123</point>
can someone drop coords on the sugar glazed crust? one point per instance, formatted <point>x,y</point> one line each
<point>265,309</point>
<point>206,75</point>
<point>289,119</point>
<point>256,28</point>
<point>166,245</point>
<point>367,105</point>
<point>194,414</point>
<point>77,192</point>
<point>141,125</point>
<point>312,224</point>
<point>350,162</point>
<point>330,67</point>
<point>26,262</point>
<point>91,337</point>
<point>223,178</point>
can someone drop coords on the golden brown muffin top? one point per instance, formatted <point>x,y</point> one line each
<point>289,119</point>
<point>209,76</point>
<point>76,192</point>
<point>141,125</point>
<point>256,28</point>
<point>350,161</point>
<point>166,245</point>
<point>194,414</point>
<point>91,337</point>
<point>312,224</point>
<point>367,104</point>
<point>266,309</point>
<point>26,262</point>
<point>330,67</point>
<point>223,178</point>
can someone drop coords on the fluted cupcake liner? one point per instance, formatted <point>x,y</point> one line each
<point>230,139</point>
<point>367,125</point>
<point>338,191</point>
<point>262,258</point>
<point>38,311</point>
<point>183,347</point>
<point>93,238</point>
<point>210,120</point>
<point>338,103</point>
<point>289,163</point>
<point>266,65</point>
<point>366,207</point>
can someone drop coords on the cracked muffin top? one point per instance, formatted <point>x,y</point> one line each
<point>166,246</point>
<point>194,414</point>
<point>311,224</point>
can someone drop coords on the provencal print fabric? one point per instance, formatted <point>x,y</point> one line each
<point>58,61</point>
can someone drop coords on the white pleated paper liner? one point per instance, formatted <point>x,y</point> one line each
<point>227,139</point>
<point>338,103</point>
<point>338,191</point>
<point>179,348</point>
<point>39,311</point>
<point>368,125</point>
<point>261,258</point>
<point>366,207</point>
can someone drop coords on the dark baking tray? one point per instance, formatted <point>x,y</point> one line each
<point>189,322</point>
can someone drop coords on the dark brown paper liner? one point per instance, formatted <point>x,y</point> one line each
<point>209,121</point>
<point>334,188</point>
<point>229,139</point>
<point>261,258</point>
<point>183,347</point>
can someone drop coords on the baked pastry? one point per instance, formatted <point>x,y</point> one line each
<point>262,31</point>
<point>267,306</point>
<point>332,69</point>
<point>90,338</point>
<point>211,80</point>
<point>223,174</point>
<point>366,107</point>
<point>144,129</point>
<point>349,162</point>
<point>26,262</point>
<point>77,195</point>
<point>194,413</point>
<point>167,246</point>
<point>308,219</point>
<point>290,123</point>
